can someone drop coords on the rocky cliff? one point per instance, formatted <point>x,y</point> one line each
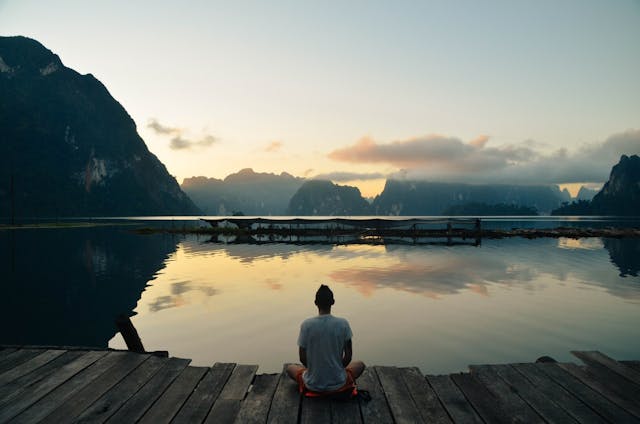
<point>68,148</point>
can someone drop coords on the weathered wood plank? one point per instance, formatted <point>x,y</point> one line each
<point>53,400</point>
<point>226,407</point>
<point>75,405</point>
<point>17,387</point>
<point>377,410</point>
<point>593,398</point>
<point>36,392</point>
<point>138,404</point>
<point>286,401</point>
<point>30,365</point>
<point>511,402</point>
<point>17,357</point>
<point>424,397</point>
<point>345,412</point>
<point>488,406</point>
<point>453,400</point>
<point>254,408</point>
<point>201,400</point>
<point>577,409</point>
<point>543,405</point>
<point>170,402</point>
<point>598,381</point>
<point>632,364</point>
<point>315,411</point>
<point>595,357</point>
<point>112,400</point>
<point>6,351</point>
<point>398,397</point>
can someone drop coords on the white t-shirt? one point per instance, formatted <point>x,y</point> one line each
<point>323,337</point>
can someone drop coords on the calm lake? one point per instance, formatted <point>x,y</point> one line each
<point>437,307</point>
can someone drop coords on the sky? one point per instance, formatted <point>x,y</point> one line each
<point>527,92</point>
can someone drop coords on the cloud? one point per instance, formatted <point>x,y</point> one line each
<point>178,140</point>
<point>274,146</point>
<point>349,176</point>
<point>442,158</point>
<point>161,129</point>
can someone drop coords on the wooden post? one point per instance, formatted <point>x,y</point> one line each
<point>129,333</point>
<point>13,202</point>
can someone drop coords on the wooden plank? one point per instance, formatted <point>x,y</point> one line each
<point>35,392</point>
<point>53,400</point>
<point>598,381</point>
<point>376,410</point>
<point>586,394</point>
<point>577,409</point>
<point>315,411</point>
<point>112,400</point>
<point>226,407</point>
<point>138,404</point>
<point>286,401</point>
<point>30,365</point>
<point>345,412</point>
<point>398,397</point>
<point>595,357</point>
<point>488,406</point>
<point>168,405</point>
<point>543,405</point>
<point>453,400</point>
<point>632,364</point>
<point>17,387</point>
<point>424,397</point>
<point>6,351</point>
<point>75,405</point>
<point>254,408</point>
<point>201,400</point>
<point>17,357</point>
<point>511,402</point>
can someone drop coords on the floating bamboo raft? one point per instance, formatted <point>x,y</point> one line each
<point>60,385</point>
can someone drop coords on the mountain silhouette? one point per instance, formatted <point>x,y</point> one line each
<point>68,148</point>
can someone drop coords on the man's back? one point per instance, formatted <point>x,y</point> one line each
<point>324,337</point>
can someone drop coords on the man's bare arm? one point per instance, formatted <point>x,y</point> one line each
<point>303,355</point>
<point>347,353</point>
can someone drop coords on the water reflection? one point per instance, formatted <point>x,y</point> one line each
<point>437,307</point>
<point>625,254</point>
<point>66,286</point>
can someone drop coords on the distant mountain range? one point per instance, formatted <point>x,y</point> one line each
<point>249,192</point>
<point>70,149</point>
<point>619,196</point>
<point>429,198</point>
<point>317,197</point>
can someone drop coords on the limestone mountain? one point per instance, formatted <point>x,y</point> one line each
<point>430,198</point>
<point>621,194</point>
<point>323,198</point>
<point>249,192</point>
<point>68,148</point>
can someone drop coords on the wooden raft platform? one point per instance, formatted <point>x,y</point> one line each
<point>57,386</point>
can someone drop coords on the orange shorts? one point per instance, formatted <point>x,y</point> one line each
<point>349,385</point>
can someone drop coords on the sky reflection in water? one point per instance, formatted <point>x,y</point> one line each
<point>436,307</point>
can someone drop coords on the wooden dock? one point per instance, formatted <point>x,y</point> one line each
<point>58,386</point>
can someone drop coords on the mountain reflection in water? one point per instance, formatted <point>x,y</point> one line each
<point>65,287</point>
<point>436,307</point>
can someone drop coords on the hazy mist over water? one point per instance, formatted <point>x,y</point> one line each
<point>436,307</point>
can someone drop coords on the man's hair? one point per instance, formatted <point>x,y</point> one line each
<point>324,297</point>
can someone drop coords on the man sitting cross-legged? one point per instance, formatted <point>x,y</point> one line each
<point>325,351</point>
